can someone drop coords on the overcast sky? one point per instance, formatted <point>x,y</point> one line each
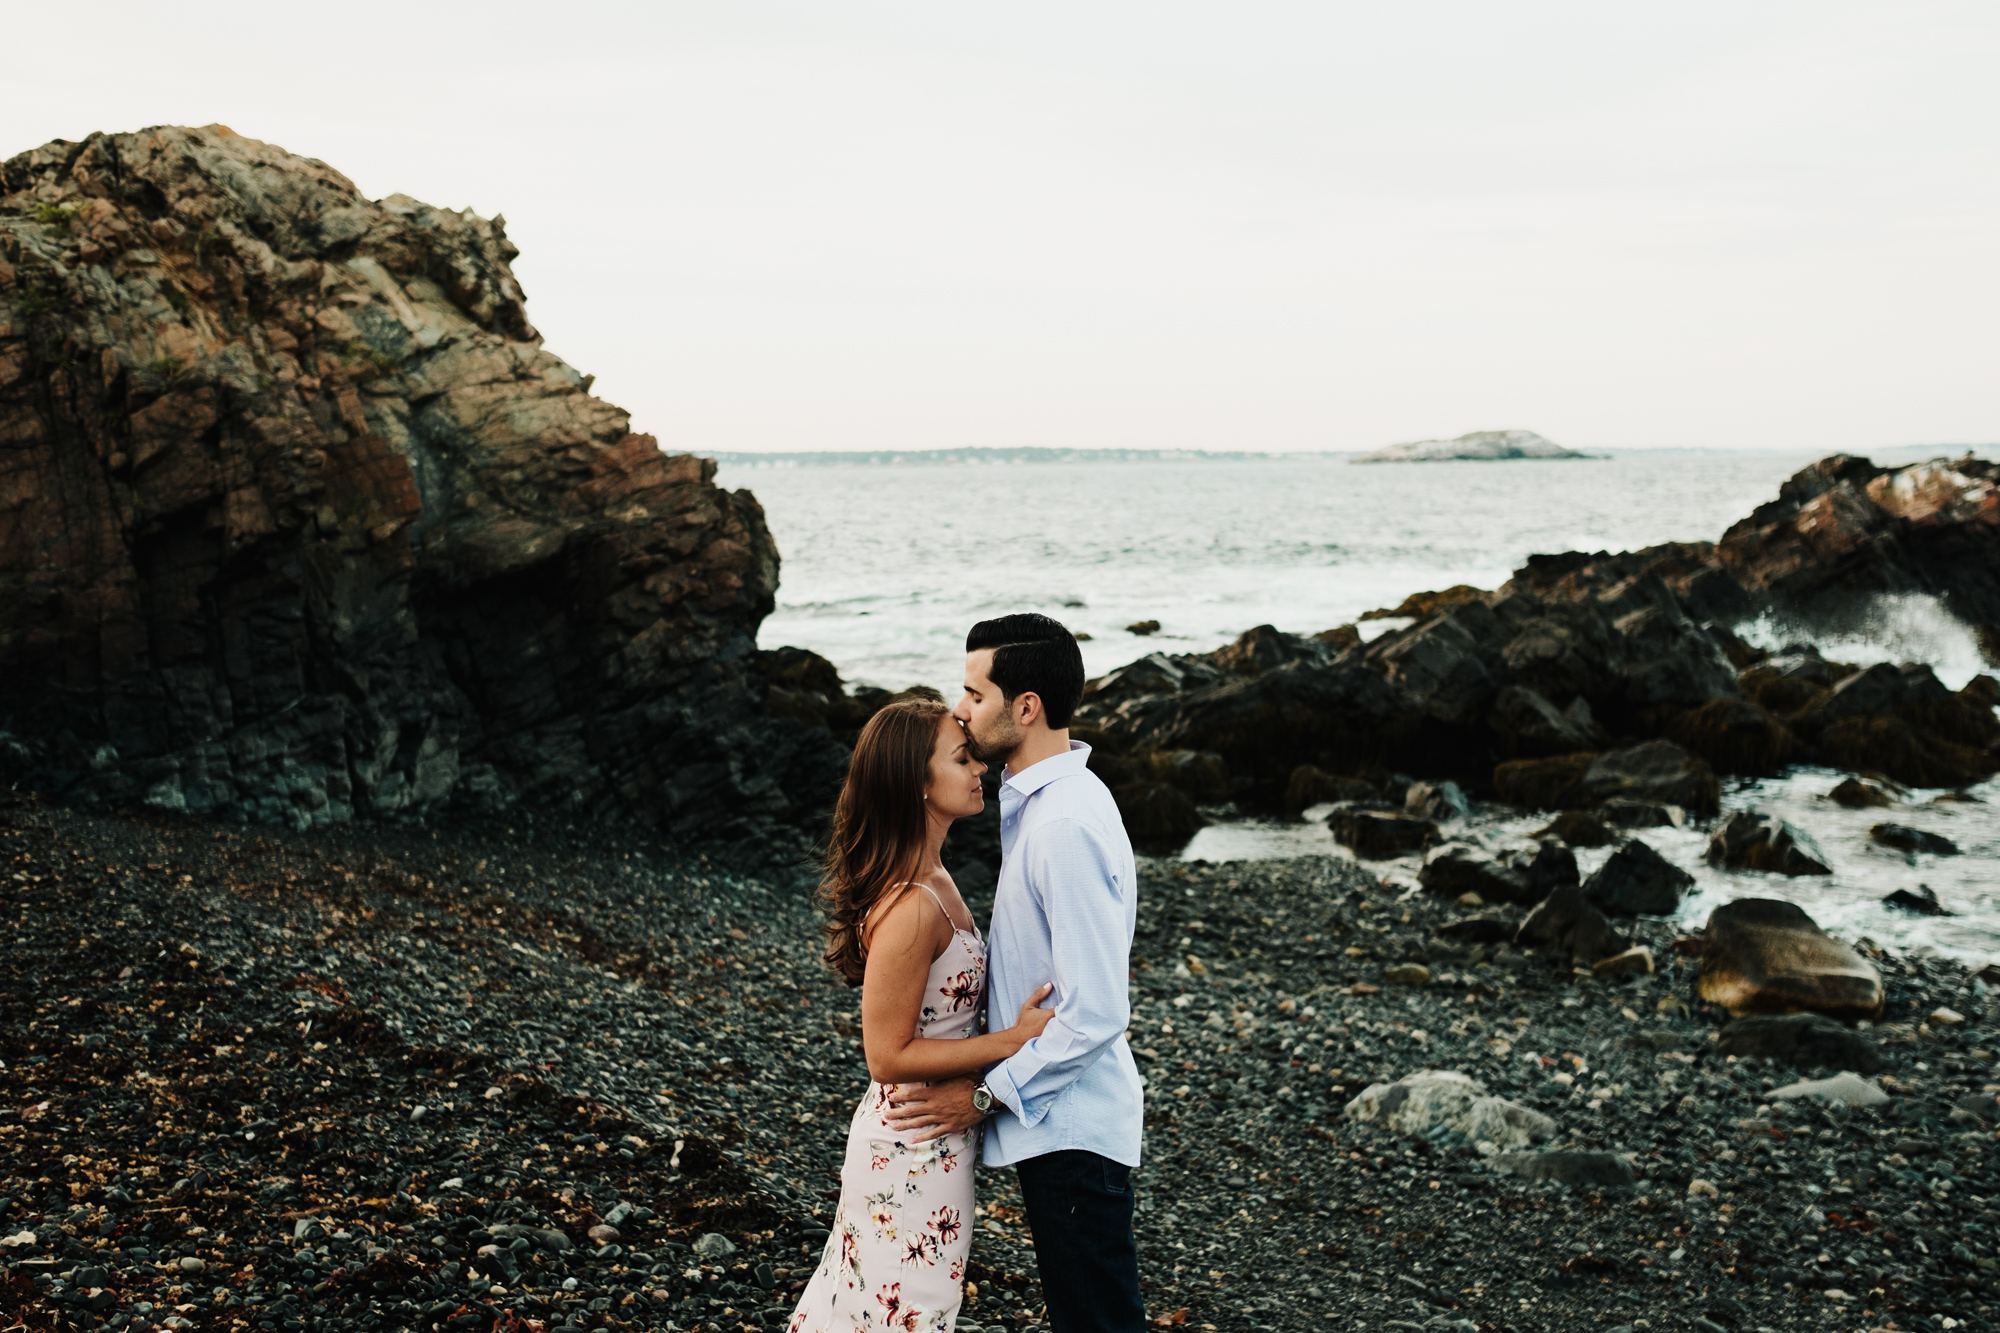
<point>770,225</point>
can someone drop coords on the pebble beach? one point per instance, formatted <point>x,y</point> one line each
<point>365,1078</point>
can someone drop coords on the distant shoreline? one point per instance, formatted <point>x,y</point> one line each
<point>995,457</point>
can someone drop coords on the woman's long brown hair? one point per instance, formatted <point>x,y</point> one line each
<point>879,825</point>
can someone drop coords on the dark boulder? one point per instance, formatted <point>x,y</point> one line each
<point>1543,784</point>
<point>1735,736</point>
<point>1524,877</point>
<point>1308,787</point>
<point>1906,839</point>
<point>1579,828</point>
<point>1266,648</point>
<point>1805,1041</point>
<point>1905,752</point>
<point>1575,1168</point>
<point>1440,800</point>
<point>1444,668</point>
<point>1569,923</point>
<point>1526,725</point>
<point>1381,835</point>
<point>1338,716</point>
<point>1476,930</point>
<point>1749,840</point>
<point>1923,902</point>
<point>1159,818</point>
<point>1763,956</point>
<point>1855,794</point>
<point>1658,772</point>
<point>1199,774</point>
<point>1637,881</point>
<point>1624,812</point>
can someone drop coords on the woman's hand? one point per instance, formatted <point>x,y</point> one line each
<point>1033,1018</point>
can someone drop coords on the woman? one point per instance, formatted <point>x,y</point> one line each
<point>896,1257</point>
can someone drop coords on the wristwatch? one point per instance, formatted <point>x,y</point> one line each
<point>982,1099</point>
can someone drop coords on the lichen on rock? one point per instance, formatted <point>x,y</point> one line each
<point>299,520</point>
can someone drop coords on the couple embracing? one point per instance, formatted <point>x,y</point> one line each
<point>1056,1095</point>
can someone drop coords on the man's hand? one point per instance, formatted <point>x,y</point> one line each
<point>937,1109</point>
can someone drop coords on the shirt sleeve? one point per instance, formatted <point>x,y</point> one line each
<point>1073,873</point>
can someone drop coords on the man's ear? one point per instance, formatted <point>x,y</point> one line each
<point>1028,708</point>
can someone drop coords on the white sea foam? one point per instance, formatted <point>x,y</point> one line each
<point>1888,627</point>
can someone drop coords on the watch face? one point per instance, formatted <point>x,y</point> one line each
<point>982,1100</point>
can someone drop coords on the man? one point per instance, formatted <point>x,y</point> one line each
<point>1066,1110</point>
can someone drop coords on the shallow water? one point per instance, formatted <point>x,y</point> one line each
<point>1847,903</point>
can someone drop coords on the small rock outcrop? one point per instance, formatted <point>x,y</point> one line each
<point>1802,1040</point>
<point>1752,840</point>
<point>1637,881</point>
<point>1763,956</point>
<point>1903,838</point>
<point>1482,446</point>
<point>304,523</point>
<point>1433,1100</point>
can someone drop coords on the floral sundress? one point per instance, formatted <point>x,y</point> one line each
<point>895,1258</point>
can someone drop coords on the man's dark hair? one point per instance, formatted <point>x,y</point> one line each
<point>1033,654</point>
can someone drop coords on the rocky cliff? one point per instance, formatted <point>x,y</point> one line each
<point>299,521</point>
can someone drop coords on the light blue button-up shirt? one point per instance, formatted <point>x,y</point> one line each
<point>1064,912</point>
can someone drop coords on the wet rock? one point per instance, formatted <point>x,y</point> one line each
<point>1158,818</point>
<point>1381,835</point>
<point>1523,876</point>
<point>1143,627</point>
<point>1308,786</point>
<point>1735,736</point>
<point>1529,726</point>
<point>1637,881</point>
<point>1803,1040</point>
<point>1578,828</point>
<point>1658,773</point>
<point>1446,1099</point>
<point>1601,1170</point>
<point>1444,668</point>
<point>1442,800</point>
<point>1568,922</point>
<point>1855,794</point>
<point>1943,1018</point>
<point>714,1246</point>
<point>1625,813</point>
<point>1751,840</point>
<point>1543,784</point>
<point>1636,961</point>
<point>1906,839</point>
<point>1201,775</point>
<point>1407,974</point>
<point>1846,1088</point>
<point>1477,930</point>
<point>1760,956</point>
<point>1924,901</point>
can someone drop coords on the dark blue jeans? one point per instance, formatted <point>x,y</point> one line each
<point>1080,1209</point>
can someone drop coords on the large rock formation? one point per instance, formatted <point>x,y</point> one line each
<point>299,521</point>
<point>1608,680</point>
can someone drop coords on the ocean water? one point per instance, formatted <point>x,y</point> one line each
<point>886,566</point>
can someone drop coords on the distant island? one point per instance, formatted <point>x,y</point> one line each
<point>1479,446</point>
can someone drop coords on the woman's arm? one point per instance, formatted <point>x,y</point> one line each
<point>907,938</point>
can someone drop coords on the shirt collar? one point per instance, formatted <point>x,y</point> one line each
<point>1041,775</point>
